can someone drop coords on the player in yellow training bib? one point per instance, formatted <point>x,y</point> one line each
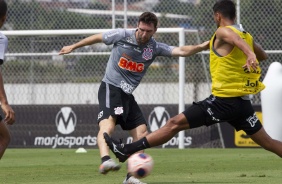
<point>235,71</point>
<point>229,78</point>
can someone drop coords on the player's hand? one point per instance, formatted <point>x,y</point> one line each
<point>66,50</point>
<point>251,62</point>
<point>9,114</point>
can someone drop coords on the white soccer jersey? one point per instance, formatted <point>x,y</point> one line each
<point>3,46</point>
<point>129,61</point>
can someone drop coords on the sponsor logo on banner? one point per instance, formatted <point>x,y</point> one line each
<point>65,122</point>
<point>158,118</point>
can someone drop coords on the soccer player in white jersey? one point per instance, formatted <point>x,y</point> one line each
<point>9,113</point>
<point>133,52</point>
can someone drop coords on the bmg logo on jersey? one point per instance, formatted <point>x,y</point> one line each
<point>65,120</point>
<point>129,65</point>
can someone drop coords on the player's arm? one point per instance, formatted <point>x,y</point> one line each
<point>189,50</point>
<point>97,38</point>
<point>8,111</point>
<point>259,51</point>
<point>229,36</point>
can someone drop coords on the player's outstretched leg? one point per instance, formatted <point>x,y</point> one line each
<point>116,148</point>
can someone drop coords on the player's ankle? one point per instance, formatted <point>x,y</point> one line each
<point>105,158</point>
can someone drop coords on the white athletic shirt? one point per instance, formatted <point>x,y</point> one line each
<point>3,46</point>
<point>129,61</point>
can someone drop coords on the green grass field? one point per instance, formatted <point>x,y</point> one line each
<point>172,166</point>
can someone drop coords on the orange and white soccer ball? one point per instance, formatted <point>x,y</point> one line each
<point>140,165</point>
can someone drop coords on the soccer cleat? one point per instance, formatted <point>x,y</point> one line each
<point>108,165</point>
<point>132,180</point>
<point>116,148</point>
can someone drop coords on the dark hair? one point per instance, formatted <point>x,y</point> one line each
<point>148,18</point>
<point>226,8</point>
<point>3,8</point>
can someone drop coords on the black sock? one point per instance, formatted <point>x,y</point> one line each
<point>136,146</point>
<point>128,176</point>
<point>105,158</point>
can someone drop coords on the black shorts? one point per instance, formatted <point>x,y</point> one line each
<point>116,103</point>
<point>236,111</point>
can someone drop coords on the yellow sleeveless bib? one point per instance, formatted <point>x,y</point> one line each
<point>229,79</point>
